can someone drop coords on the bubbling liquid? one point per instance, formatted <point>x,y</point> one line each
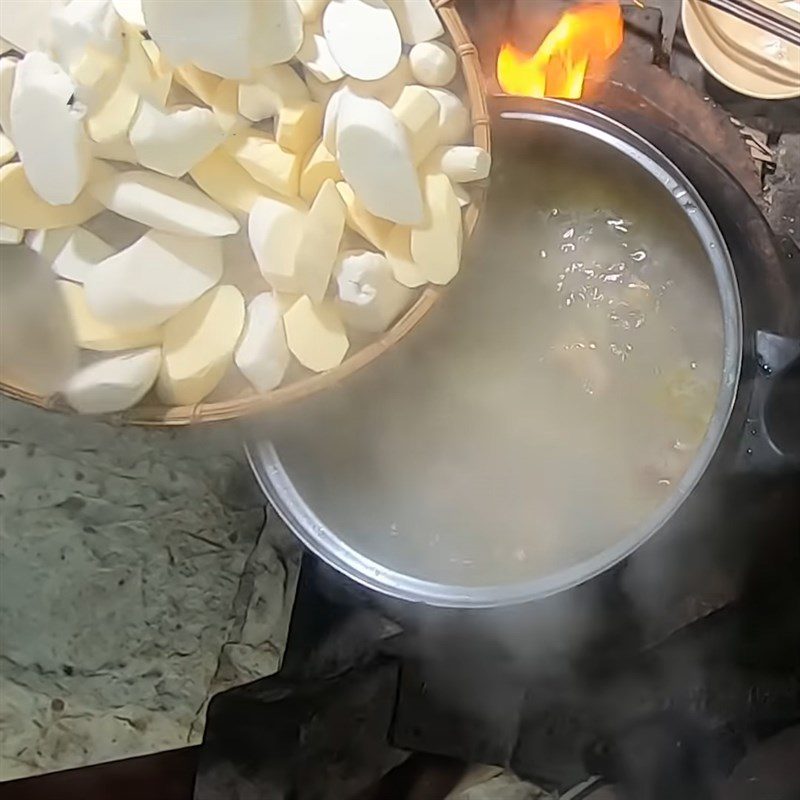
<point>549,405</point>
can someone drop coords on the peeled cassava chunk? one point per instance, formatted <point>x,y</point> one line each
<point>48,130</point>
<point>275,229</point>
<point>262,354</point>
<point>173,141</point>
<point>363,37</point>
<point>322,232</point>
<point>436,245</point>
<point>92,333</point>
<point>315,334</point>
<point>163,203</point>
<point>198,346</point>
<point>113,384</point>
<point>417,19</point>
<point>159,274</point>
<point>266,161</point>
<point>461,163</point>
<point>376,160</point>
<point>21,206</point>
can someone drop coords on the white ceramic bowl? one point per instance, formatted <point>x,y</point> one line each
<point>743,57</point>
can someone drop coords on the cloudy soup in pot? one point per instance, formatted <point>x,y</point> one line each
<point>554,399</point>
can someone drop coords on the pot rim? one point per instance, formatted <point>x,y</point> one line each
<point>325,543</point>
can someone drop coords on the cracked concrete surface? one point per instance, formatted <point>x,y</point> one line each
<point>137,578</point>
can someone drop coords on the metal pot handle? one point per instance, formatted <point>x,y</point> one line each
<point>758,451</point>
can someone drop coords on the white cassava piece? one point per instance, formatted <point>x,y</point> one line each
<point>315,334</point>
<point>417,19</point>
<point>262,354</point>
<point>363,37</point>
<point>163,203</point>
<point>22,207</point>
<point>374,153</point>
<point>461,163</point>
<point>453,117</point>
<point>173,141</point>
<point>275,229</point>
<point>159,274</point>
<point>80,253</point>
<point>115,383</point>
<point>316,56</point>
<point>48,130</point>
<point>92,333</point>
<point>323,227</point>
<point>131,12</point>
<point>433,63</point>
<point>368,295</point>
<point>198,346</point>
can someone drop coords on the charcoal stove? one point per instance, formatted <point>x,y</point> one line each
<point>663,694</point>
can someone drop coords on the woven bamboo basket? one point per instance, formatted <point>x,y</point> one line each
<point>148,413</point>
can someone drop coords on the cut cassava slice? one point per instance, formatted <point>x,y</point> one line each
<point>417,19</point>
<point>374,229</point>
<point>198,346</point>
<point>375,159</point>
<point>275,229</point>
<point>80,253</point>
<point>48,130</point>
<point>398,253</point>
<point>453,116</point>
<point>92,333</point>
<point>262,354</point>
<point>436,245</point>
<point>223,179</point>
<point>298,127</point>
<point>322,232</point>
<point>147,283</point>
<point>315,55</point>
<point>418,110</point>
<point>315,334</point>
<point>163,203</point>
<point>363,37</point>
<point>266,161</point>
<point>115,383</point>
<point>21,207</point>
<point>173,141</point>
<point>269,90</point>
<point>320,165</point>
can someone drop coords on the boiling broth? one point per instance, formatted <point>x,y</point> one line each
<point>550,403</point>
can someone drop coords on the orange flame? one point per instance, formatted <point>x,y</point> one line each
<point>583,41</point>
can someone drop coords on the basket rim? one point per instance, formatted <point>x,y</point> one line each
<point>163,416</point>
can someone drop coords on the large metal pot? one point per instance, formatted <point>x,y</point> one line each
<point>287,466</point>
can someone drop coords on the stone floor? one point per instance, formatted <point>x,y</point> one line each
<point>137,577</point>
